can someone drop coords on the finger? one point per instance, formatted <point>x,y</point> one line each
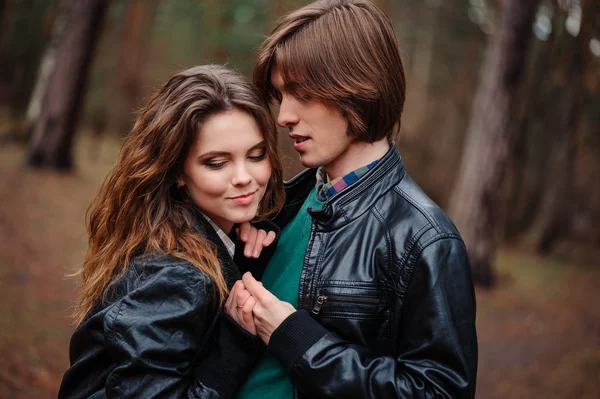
<point>230,302</point>
<point>255,288</point>
<point>248,316</point>
<point>241,297</point>
<point>249,248</point>
<point>244,231</point>
<point>269,239</point>
<point>260,237</point>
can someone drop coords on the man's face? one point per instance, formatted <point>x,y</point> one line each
<point>318,130</point>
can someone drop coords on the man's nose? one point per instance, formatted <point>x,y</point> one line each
<point>287,115</point>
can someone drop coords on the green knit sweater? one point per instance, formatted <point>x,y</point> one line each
<point>282,278</point>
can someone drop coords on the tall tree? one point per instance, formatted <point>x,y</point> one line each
<point>553,220</point>
<point>53,133</point>
<point>529,152</point>
<point>476,199</point>
<point>23,36</point>
<point>137,26</point>
<point>46,67</point>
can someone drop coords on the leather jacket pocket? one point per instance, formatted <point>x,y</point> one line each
<point>344,303</point>
<point>360,315</point>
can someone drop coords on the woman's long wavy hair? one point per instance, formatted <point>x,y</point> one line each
<point>139,208</point>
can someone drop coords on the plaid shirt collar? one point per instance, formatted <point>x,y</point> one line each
<point>326,190</point>
<point>224,237</point>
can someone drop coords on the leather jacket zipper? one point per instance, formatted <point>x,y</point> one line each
<point>321,299</point>
<point>354,299</point>
<point>344,299</point>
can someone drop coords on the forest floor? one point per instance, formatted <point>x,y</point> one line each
<point>539,329</point>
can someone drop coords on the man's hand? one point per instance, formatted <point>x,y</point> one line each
<point>239,306</point>
<point>255,239</point>
<point>269,311</point>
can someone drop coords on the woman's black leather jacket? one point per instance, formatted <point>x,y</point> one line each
<point>386,301</point>
<point>161,334</point>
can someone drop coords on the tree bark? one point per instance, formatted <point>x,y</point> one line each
<point>541,126</point>
<point>47,65</point>
<point>476,199</point>
<point>137,27</point>
<point>553,220</point>
<point>51,144</point>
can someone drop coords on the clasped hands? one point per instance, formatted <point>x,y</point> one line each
<point>255,308</point>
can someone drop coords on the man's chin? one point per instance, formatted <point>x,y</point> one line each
<point>307,162</point>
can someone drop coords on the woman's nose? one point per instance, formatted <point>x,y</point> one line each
<point>241,176</point>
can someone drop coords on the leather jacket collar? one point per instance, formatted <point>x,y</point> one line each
<point>230,271</point>
<point>351,202</point>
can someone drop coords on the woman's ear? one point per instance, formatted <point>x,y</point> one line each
<point>179,181</point>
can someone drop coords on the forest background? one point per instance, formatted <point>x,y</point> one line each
<point>500,127</point>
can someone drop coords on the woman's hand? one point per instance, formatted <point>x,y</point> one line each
<point>255,239</point>
<point>239,306</point>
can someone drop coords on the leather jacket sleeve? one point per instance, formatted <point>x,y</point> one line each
<point>436,341</point>
<point>156,331</point>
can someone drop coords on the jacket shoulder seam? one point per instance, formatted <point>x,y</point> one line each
<point>412,241</point>
<point>438,237</point>
<point>434,223</point>
<point>386,232</point>
<point>112,317</point>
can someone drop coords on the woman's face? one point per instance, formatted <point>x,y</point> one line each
<point>227,170</point>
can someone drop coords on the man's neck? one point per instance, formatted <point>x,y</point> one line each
<point>356,156</point>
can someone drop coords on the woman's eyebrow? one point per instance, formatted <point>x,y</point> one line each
<point>214,154</point>
<point>225,153</point>
<point>261,144</point>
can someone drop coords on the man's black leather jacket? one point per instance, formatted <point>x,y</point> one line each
<point>160,334</point>
<point>386,301</point>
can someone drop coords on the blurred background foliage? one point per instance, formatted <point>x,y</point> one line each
<point>544,197</point>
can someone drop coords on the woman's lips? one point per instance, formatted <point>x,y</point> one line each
<point>245,199</point>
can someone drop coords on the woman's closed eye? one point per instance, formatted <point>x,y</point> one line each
<point>258,154</point>
<point>215,164</point>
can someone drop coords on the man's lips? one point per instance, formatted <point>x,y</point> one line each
<point>298,141</point>
<point>297,138</point>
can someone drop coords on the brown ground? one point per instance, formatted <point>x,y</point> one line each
<point>539,331</point>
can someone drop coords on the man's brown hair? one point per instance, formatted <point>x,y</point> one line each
<point>343,54</point>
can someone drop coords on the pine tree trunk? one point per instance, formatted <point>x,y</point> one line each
<point>476,199</point>
<point>137,26</point>
<point>47,65</point>
<point>53,133</point>
<point>553,221</point>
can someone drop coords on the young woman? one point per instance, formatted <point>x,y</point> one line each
<point>201,157</point>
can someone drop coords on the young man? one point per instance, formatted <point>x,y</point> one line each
<point>379,274</point>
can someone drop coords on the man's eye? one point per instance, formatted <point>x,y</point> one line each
<point>301,96</point>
